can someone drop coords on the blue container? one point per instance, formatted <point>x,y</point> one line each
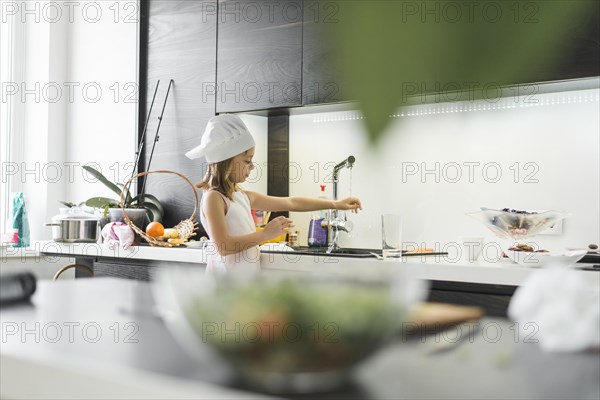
<point>317,232</point>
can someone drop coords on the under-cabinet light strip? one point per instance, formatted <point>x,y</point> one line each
<point>506,103</point>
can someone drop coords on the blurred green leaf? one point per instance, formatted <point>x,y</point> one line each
<point>390,50</point>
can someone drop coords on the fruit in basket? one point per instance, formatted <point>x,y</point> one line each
<point>176,241</point>
<point>170,233</point>
<point>155,229</point>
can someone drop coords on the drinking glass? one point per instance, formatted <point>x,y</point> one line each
<point>471,247</point>
<point>391,236</point>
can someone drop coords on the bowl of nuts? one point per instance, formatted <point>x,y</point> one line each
<point>528,256</point>
<point>516,224</point>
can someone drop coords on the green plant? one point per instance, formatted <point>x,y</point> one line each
<point>71,205</point>
<point>153,207</point>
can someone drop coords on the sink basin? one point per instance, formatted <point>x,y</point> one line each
<point>350,252</point>
<point>322,251</point>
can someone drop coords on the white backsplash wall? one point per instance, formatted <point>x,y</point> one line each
<point>257,181</point>
<point>438,163</point>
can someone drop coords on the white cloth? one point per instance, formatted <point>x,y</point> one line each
<point>115,233</point>
<point>238,218</point>
<point>563,307</point>
<point>225,136</point>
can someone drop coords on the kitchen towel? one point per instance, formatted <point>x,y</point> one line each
<point>564,308</point>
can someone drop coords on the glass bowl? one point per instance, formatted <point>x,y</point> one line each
<point>283,333</point>
<point>517,224</point>
<point>559,259</point>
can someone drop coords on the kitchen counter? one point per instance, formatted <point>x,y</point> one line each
<point>439,268</point>
<point>435,268</point>
<point>102,338</point>
<point>50,248</point>
<point>489,285</point>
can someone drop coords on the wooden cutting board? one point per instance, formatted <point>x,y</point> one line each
<point>432,316</point>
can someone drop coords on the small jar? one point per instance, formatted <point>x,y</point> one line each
<point>293,238</point>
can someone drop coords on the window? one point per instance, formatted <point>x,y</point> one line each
<point>5,72</point>
<point>11,35</point>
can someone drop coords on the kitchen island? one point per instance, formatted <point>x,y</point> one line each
<point>434,268</point>
<point>486,284</point>
<point>104,338</point>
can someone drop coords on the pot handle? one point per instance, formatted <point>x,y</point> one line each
<point>51,224</point>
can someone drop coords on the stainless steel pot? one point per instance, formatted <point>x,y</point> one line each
<point>74,230</point>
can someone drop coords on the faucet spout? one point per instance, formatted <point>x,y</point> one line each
<point>335,223</point>
<point>348,162</point>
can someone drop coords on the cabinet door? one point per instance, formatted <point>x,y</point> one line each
<point>182,45</point>
<point>259,55</point>
<point>137,269</point>
<point>322,81</point>
<point>127,270</point>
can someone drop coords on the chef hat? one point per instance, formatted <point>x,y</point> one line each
<point>225,136</point>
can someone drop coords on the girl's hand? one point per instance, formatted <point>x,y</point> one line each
<point>348,203</point>
<point>277,227</point>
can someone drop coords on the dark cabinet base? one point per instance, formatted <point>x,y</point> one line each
<point>494,299</point>
<point>127,271</point>
<point>140,270</point>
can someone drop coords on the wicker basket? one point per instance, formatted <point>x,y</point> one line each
<point>186,228</point>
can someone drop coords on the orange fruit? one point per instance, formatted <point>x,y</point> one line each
<point>155,229</point>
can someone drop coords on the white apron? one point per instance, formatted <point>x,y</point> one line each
<point>238,218</point>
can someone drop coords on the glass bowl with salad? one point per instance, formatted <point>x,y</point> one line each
<point>284,333</point>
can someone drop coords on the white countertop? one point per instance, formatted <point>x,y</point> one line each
<point>438,268</point>
<point>102,338</point>
<point>145,252</point>
<point>95,338</point>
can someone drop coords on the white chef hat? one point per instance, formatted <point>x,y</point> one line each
<point>225,136</point>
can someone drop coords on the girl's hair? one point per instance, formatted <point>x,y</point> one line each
<point>217,178</point>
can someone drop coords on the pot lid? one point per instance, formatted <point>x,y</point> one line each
<point>75,213</point>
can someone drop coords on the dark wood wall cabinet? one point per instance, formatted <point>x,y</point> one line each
<point>322,82</point>
<point>182,46</point>
<point>259,55</point>
<point>275,55</point>
<point>240,56</point>
<point>223,56</point>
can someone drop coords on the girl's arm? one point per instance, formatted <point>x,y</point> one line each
<point>296,203</point>
<point>214,210</point>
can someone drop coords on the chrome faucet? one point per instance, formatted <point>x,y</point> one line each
<point>337,224</point>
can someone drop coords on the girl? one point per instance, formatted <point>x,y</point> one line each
<point>225,207</point>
